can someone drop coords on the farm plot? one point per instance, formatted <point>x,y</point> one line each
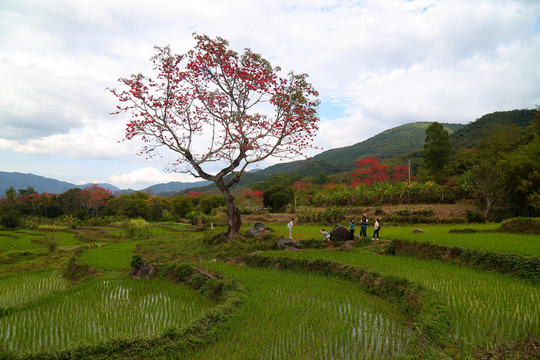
<point>22,288</point>
<point>100,310</point>
<point>485,307</point>
<point>110,257</point>
<point>527,245</point>
<point>295,316</point>
<point>36,240</point>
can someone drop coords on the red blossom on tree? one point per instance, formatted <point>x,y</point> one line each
<point>257,195</point>
<point>400,173</point>
<point>212,105</point>
<point>301,186</point>
<point>369,172</point>
<point>95,197</point>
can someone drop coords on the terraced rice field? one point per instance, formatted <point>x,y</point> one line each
<point>100,310</point>
<point>484,306</point>
<point>306,316</point>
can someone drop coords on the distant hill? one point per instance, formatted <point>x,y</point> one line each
<point>20,181</point>
<point>396,141</point>
<point>388,144</point>
<point>40,184</point>
<point>173,187</point>
<point>470,135</point>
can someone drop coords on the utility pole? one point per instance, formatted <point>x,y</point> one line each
<point>409,161</point>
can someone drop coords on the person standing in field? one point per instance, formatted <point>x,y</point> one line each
<point>352,228</point>
<point>363,226</point>
<point>376,228</point>
<point>290,226</point>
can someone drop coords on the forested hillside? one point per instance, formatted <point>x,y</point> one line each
<point>392,142</point>
<point>471,134</point>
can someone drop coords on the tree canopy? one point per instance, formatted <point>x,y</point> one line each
<point>214,107</point>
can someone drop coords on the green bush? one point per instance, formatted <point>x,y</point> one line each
<point>136,260</point>
<point>474,216</point>
<point>521,225</point>
<point>11,219</point>
<point>137,229</point>
<point>75,270</point>
<point>197,280</point>
<point>215,288</point>
<point>213,237</point>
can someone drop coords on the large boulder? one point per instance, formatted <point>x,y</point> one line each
<point>340,233</point>
<point>288,242</point>
<point>140,268</point>
<point>257,230</point>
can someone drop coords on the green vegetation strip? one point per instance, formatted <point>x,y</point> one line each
<point>430,315</point>
<point>527,267</point>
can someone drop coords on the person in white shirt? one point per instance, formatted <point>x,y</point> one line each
<point>290,225</point>
<point>376,228</point>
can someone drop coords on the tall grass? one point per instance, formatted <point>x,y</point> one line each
<point>101,310</point>
<point>294,316</point>
<point>486,307</point>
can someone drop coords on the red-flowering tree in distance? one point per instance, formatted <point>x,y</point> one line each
<point>212,105</point>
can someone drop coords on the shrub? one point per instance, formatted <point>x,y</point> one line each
<point>11,219</point>
<point>334,215</point>
<point>177,272</point>
<point>136,260</point>
<point>462,231</point>
<point>76,271</point>
<point>137,229</point>
<point>474,216</point>
<point>215,288</point>
<point>521,225</point>
<point>213,237</point>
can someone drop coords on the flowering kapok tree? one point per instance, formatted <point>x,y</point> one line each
<point>220,112</point>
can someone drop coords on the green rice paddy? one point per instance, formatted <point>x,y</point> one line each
<point>100,310</point>
<point>484,306</point>
<point>286,315</point>
<point>301,316</point>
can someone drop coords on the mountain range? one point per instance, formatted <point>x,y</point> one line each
<point>42,184</point>
<point>392,143</point>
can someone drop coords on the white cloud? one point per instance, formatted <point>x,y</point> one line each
<point>144,177</point>
<point>386,62</point>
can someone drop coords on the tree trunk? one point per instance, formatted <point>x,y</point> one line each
<point>489,203</point>
<point>234,220</point>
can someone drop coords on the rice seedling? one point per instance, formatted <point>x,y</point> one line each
<point>19,289</point>
<point>292,316</point>
<point>101,310</point>
<point>485,307</point>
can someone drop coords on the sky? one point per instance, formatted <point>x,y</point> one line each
<point>376,64</point>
